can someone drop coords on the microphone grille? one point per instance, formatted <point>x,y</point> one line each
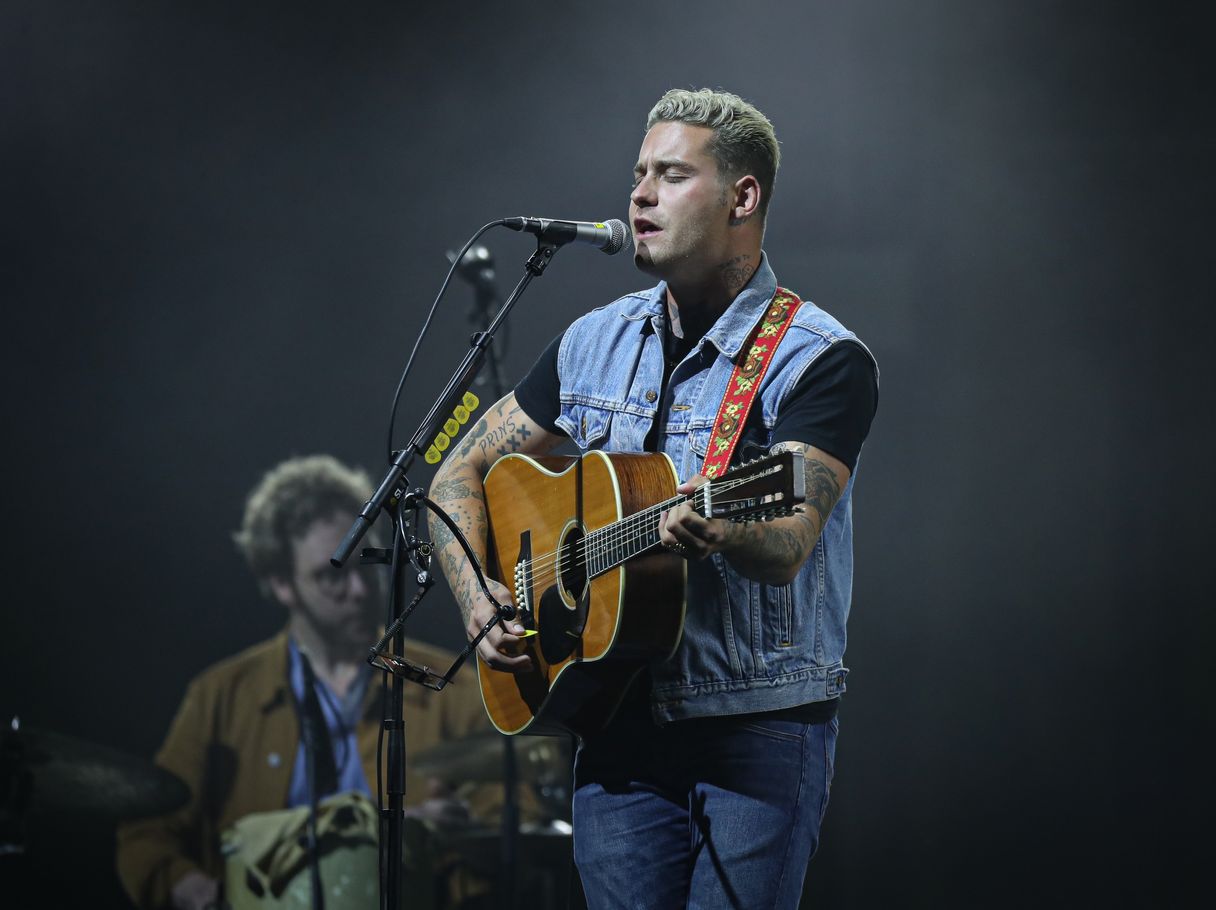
<point>620,236</point>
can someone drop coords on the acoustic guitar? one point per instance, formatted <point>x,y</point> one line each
<point>577,541</point>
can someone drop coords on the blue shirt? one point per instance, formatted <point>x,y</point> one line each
<point>341,717</point>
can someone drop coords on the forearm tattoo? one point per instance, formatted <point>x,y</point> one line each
<point>456,497</point>
<point>458,492</point>
<point>465,505</point>
<point>822,489</point>
<point>785,542</point>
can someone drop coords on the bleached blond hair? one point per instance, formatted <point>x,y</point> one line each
<point>743,140</point>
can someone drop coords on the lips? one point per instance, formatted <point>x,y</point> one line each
<point>644,228</point>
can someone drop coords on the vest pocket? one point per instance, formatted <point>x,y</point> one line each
<point>779,604</point>
<point>586,424</point>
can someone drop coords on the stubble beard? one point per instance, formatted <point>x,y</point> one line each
<point>348,634</point>
<point>663,262</point>
<point>643,259</point>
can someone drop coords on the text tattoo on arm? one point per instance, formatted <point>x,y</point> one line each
<point>505,439</point>
<point>508,437</point>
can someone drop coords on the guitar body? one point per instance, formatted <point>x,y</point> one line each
<point>594,634</point>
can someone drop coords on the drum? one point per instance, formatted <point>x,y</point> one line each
<point>266,861</point>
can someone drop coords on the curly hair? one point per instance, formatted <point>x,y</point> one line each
<point>743,139</point>
<point>290,497</point>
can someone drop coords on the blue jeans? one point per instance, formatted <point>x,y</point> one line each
<point>705,814</point>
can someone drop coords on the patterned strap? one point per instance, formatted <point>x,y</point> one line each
<point>745,381</point>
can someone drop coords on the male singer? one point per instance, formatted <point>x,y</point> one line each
<point>709,785</point>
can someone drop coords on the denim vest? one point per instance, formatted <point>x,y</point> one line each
<point>747,646</point>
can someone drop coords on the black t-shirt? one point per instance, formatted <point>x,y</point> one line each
<point>830,407</point>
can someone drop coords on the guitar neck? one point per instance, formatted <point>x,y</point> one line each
<point>766,488</point>
<point>610,546</point>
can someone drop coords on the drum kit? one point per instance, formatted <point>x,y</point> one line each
<point>470,865</point>
<point>49,782</point>
<point>47,776</point>
<point>60,798</point>
<point>528,861</point>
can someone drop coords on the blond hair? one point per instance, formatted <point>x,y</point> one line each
<point>743,140</point>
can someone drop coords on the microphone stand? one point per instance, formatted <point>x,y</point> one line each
<point>485,301</point>
<point>477,267</point>
<point>392,491</point>
<point>309,733</point>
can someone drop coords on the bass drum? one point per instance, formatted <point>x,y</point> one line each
<point>266,862</point>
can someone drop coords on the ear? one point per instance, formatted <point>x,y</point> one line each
<point>746,199</point>
<point>282,590</point>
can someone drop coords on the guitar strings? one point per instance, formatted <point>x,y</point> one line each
<point>602,540</point>
<point>543,571</point>
<point>543,566</point>
<point>639,529</point>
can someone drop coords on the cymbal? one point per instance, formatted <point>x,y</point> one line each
<point>55,773</point>
<point>538,759</point>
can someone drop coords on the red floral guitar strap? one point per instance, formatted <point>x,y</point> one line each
<point>745,381</point>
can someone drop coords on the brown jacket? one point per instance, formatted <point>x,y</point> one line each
<point>234,741</point>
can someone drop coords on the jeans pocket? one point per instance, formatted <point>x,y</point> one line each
<point>783,730</point>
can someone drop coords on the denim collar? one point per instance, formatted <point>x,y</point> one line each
<point>734,326</point>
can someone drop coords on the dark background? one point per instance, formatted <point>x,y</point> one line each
<point>224,223</point>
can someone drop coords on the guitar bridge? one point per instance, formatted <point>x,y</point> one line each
<point>523,576</point>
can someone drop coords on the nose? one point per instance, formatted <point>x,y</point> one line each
<point>643,193</point>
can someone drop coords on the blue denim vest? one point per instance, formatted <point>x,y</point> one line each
<point>747,646</point>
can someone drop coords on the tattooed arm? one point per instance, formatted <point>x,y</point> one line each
<point>457,489</point>
<point>766,551</point>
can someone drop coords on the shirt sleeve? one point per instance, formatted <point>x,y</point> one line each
<point>539,392</point>
<point>832,405</point>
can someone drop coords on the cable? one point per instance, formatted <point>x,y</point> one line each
<point>392,414</point>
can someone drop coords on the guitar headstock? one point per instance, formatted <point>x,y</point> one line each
<point>759,490</point>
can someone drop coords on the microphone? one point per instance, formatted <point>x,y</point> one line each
<point>610,236</point>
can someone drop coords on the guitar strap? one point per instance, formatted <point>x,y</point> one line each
<point>745,381</point>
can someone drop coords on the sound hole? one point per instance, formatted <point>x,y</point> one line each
<point>563,606</point>
<point>572,574</point>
